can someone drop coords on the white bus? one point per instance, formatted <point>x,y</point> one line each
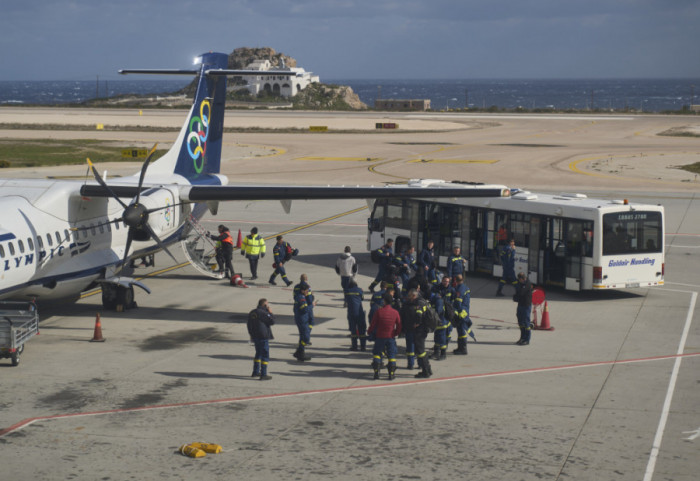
<point>566,240</point>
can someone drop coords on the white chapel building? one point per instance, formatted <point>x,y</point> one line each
<point>281,80</point>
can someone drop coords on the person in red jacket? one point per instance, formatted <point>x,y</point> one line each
<point>385,327</point>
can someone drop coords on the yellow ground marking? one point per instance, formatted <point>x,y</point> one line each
<point>342,159</point>
<point>573,166</point>
<point>453,161</point>
<point>273,236</point>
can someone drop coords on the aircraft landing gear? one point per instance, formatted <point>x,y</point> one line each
<point>117,298</point>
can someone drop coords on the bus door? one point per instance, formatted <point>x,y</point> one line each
<point>554,265</point>
<point>534,252</point>
<point>483,227</point>
<point>579,252</point>
<point>375,227</point>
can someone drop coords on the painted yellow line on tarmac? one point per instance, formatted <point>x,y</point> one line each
<point>453,161</point>
<point>342,159</point>
<point>574,167</point>
<point>273,236</point>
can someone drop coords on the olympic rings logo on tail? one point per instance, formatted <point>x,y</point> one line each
<point>198,134</point>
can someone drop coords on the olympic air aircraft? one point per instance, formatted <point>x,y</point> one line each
<point>59,238</point>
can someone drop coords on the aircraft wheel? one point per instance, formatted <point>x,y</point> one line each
<point>109,297</point>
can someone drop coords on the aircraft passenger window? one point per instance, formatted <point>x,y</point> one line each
<point>116,224</point>
<point>39,242</point>
<point>84,229</point>
<point>109,227</point>
<point>20,244</point>
<point>102,228</point>
<point>66,235</point>
<point>58,237</point>
<point>12,249</point>
<point>49,240</point>
<point>75,236</point>
<point>2,251</point>
<point>30,243</point>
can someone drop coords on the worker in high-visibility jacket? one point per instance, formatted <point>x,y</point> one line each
<point>253,247</point>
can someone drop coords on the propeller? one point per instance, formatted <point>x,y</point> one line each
<point>135,214</point>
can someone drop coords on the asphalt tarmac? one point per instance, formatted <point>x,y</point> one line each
<point>611,393</point>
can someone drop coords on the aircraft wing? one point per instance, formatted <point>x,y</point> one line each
<point>199,193</point>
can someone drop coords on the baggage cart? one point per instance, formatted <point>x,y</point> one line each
<point>19,322</point>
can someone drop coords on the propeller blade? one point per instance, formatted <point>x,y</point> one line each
<point>103,183</point>
<point>126,250</point>
<point>158,241</point>
<point>143,172</point>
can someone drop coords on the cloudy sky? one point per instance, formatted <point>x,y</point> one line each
<point>351,39</point>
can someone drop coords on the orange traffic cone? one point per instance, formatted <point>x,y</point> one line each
<point>237,281</point>
<point>239,242</point>
<point>545,326</point>
<point>97,337</point>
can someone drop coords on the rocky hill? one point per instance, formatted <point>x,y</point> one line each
<point>243,56</point>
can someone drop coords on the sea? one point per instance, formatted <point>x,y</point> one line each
<point>645,95</point>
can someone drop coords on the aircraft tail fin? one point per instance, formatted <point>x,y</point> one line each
<point>196,154</point>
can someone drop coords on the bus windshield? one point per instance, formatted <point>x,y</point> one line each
<point>632,233</point>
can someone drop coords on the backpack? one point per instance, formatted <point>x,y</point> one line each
<point>430,318</point>
<point>450,314</point>
<point>376,256</point>
<point>287,252</point>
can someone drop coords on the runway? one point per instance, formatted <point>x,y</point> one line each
<point>611,393</point>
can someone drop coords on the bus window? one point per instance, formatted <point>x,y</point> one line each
<point>632,232</point>
<point>520,229</point>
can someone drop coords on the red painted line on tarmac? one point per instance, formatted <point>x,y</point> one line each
<point>28,421</point>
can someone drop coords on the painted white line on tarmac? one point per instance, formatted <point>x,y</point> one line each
<point>656,446</point>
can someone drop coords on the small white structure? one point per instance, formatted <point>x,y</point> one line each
<point>282,80</point>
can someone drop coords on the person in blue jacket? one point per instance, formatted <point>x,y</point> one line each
<point>508,263</point>
<point>357,323</point>
<point>279,251</point>
<point>301,318</point>
<point>426,263</point>
<point>456,263</point>
<point>386,253</point>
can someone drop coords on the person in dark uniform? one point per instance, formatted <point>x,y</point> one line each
<point>412,321</point>
<point>456,263</point>
<point>508,263</point>
<point>310,300</point>
<point>406,266</point>
<point>440,336</point>
<point>356,316</point>
<point>280,254</point>
<point>225,253</point>
<point>260,321</point>
<point>301,318</point>
<point>426,263</point>
<point>523,296</point>
<point>386,253</point>
<point>461,302</point>
<point>385,327</point>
